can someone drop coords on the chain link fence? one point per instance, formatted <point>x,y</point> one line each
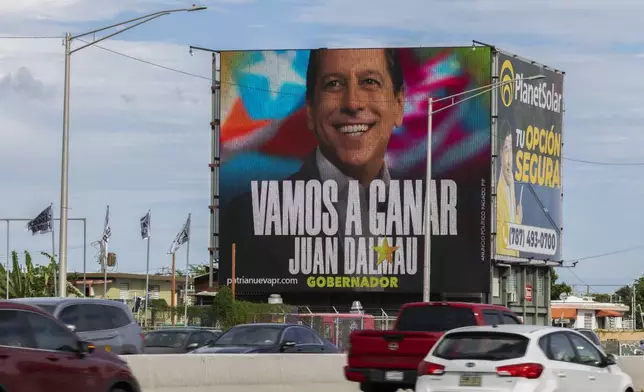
<point>622,347</point>
<point>333,326</point>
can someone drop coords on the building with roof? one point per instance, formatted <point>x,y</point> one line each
<point>126,286</point>
<point>584,312</point>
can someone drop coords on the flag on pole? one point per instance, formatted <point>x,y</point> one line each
<point>43,223</point>
<point>145,226</point>
<point>182,237</point>
<point>107,231</point>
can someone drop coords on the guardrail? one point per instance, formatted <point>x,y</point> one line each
<point>267,372</point>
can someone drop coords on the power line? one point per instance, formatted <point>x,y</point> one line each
<point>148,62</point>
<point>615,252</point>
<point>605,163</point>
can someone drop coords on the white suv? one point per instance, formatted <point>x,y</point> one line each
<point>519,358</point>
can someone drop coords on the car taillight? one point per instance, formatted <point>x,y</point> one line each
<point>432,369</point>
<point>523,370</point>
<point>142,336</point>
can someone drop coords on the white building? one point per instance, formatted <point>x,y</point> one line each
<point>584,312</point>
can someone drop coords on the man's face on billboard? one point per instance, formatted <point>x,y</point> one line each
<point>506,158</point>
<point>354,108</point>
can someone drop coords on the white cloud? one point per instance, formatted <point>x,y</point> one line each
<point>139,139</point>
<point>594,21</point>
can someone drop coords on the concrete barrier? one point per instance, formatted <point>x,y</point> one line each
<point>267,372</point>
<point>241,372</point>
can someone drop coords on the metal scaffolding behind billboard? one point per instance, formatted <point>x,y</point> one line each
<point>213,248</point>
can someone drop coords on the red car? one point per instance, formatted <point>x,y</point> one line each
<point>39,354</point>
<point>384,361</point>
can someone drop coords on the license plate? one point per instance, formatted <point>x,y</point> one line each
<point>469,381</point>
<point>394,376</point>
<point>108,348</point>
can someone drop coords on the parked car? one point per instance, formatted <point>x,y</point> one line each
<point>108,324</point>
<point>38,353</point>
<point>387,360</point>
<point>177,340</point>
<point>591,335</point>
<point>519,358</point>
<point>269,338</point>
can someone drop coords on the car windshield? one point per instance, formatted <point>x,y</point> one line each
<point>255,335</point>
<point>492,346</point>
<point>434,318</point>
<point>173,339</point>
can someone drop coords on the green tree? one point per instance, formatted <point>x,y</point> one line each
<point>602,297</point>
<point>557,288</point>
<point>32,280</point>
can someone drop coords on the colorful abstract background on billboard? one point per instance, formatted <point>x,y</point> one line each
<point>264,136</point>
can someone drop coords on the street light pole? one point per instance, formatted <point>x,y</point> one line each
<point>64,184</point>
<point>427,265</point>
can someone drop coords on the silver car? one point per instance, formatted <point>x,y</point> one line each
<point>106,323</point>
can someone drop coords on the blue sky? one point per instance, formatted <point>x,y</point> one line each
<point>140,134</point>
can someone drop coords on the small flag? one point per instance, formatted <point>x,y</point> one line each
<point>43,223</point>
<point>182,237</point>
<point>145,226</point>
<point>107,231</point>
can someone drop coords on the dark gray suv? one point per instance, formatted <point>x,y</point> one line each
<point>106,323</point>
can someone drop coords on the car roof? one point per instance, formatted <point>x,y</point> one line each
<point>8,304</point>
<point>520,329</point>
<point>456,304</point>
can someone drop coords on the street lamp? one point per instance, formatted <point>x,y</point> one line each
<point>65,155</point>
<point>428,175</point>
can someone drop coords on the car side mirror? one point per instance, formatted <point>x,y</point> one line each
<point>71,327</point>
<point>86,348</point>
<point>210,343</point>
<point>610,360</point>
<point>193,346</point>
<point>287,344</point>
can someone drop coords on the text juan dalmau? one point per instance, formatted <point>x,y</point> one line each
<point>308,209</point>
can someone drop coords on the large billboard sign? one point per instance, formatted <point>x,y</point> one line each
<point>323,161</point>
<point>529,150</point>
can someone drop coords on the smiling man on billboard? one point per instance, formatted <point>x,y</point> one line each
<point>354,100</point>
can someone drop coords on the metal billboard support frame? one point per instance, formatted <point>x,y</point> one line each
<point>213,244</point>
<point>84,220</point>
<point>494,118</point>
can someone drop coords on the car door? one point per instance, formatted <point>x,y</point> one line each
<point>20,364</point>
<point>93,324</point>
<point>62,365</point>
<point>568,373</point>
<point>196,337</point>
<point>590,357</point>
<point>290,335</point>
<point>308,341</point>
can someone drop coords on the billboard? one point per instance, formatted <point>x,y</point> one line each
<point>528,168</point>
<point>323,161</point>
